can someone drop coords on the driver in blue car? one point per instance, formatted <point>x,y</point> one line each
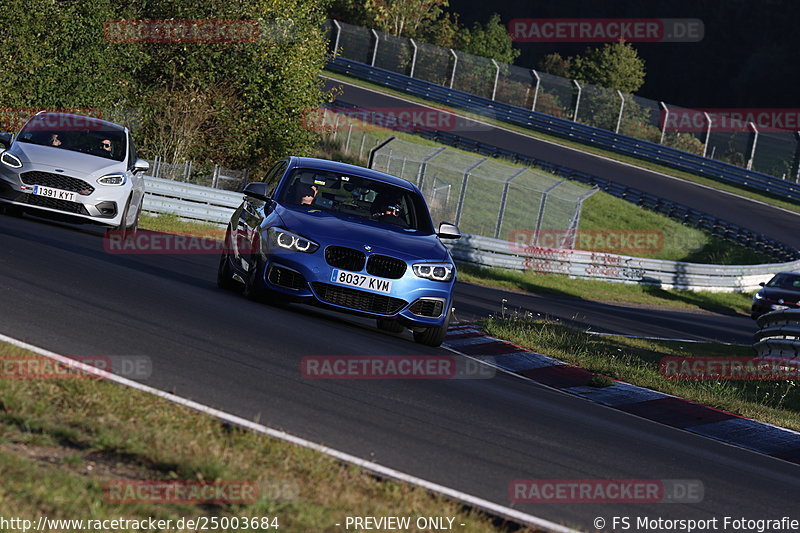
<point>305,194</point>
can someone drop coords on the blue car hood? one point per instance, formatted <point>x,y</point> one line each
<point>327,228</point>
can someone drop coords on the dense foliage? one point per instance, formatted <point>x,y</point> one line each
<point>239,103</point>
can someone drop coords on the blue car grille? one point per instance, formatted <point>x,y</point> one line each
<point>345,258</point>
<point>57,181</point>
<point>430,308</point>
<point>360,300</point>
<point>283,277</point>
<point>386,267</point>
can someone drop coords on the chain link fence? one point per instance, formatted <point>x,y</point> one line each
<point>485,196</point>
<point>747,144</point>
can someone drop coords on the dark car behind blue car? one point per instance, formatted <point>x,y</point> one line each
<point>347,238</point>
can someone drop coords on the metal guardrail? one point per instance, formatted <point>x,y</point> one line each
<point>487,252</point>
<point>193,202</point>
<point>779,334</point>
<point>622,144</point>
<point>709,223</point>
<point>205,204</point>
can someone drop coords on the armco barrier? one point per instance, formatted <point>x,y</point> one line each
<point>779,334</point>
<point>194,202</point>
<point>709,223</point>
<point>205,204</point>
<point>487,252</point>
<point>608,140</point>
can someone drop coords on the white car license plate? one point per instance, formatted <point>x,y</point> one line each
<point>58,194</point>
<point>362,281</point>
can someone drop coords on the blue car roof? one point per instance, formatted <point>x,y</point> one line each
<point>353,170</point>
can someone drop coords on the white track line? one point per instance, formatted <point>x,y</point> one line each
<point>553,143</point>
<point>375,468</point>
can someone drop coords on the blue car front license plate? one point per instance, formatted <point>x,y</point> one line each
<point>361,281</point>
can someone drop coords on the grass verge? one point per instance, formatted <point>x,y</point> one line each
<point>561,285</point>
<point>741,191</point>
<point>636,361</point>
<point>63,440</point>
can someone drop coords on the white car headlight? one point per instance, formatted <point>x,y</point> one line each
<point>291,241</point>
<point>112,179</point>
<point>10,160</point>
<point>759,296</point>
<point>434,271</point>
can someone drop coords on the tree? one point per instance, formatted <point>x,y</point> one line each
<point>614,66</point>
<point>403,17</point>
<point>556,65</point>
<point>490,40</point>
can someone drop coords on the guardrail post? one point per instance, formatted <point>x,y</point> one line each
<point>375,47</point>
<point>621,109</point>
<point>577,101</point>
<point>463,192</point>
<point>536,90</point>
<point>664,123</point>
<point>215,176</point>
<point>753,141</point>
<point>708,133</point>
<point>503,200</point>
<point>338,34</point>
<point>375,148</point>
<point>413,58</point>
<point>496,78</point>
<point>455,64</point>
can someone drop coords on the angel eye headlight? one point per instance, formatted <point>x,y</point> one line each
<point>434,271</point>
<point>112,179</point>
<point>291,241</point>
<point>10,160</point>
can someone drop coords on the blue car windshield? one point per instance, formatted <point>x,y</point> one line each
<point>77,134</point>
<point>357,196</point>
<point>785,281</point>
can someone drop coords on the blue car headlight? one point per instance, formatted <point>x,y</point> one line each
<point>10,160</point>
<point>434,271</point>
<point>291,241</point>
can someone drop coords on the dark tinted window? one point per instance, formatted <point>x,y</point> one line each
<point>357,196</point>
<point>77,134</point>
<point>785,281</point>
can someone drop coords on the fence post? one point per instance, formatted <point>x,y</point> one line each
<point>540,216</point>
<point>664,123</point>
<point>535,91</point>
<point>621,109</point>
<point>577,101</point>
<point>215,176</point>
<point>338,34</point>
<point>413,58</point>
<point>455,63</point>
<point>349,133</point>
<point>375,47</point>
<point>574,224</point>
<point>753,141</point>
<point>496,78</point>
<point>361,148</point>
<point>375,148</point>
<point>245,176</point>
<point>463,193</point>
<point>156,165</point>
<point>795,171</point>
<point>708,133</point>
<point>503,200</point>
<point>424,164</point>
<point>187,170</point>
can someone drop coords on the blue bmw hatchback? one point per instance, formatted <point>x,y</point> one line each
<point>343,237</point>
